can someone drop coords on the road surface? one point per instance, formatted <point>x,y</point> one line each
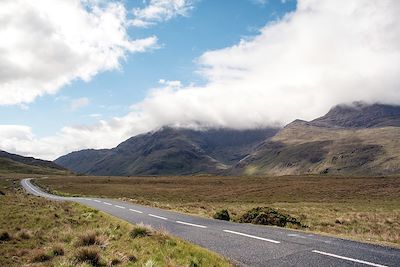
<point>244,244</point>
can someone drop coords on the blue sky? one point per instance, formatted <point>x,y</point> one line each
<point>78,74</point>
<point>210,25</point>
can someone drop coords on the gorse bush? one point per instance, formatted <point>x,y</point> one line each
<point>269,216</point>
<point>222,215</point>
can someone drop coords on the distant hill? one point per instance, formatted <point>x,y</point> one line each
<point>359,140</point>
<point>18,164</point>
<point>169,151</point>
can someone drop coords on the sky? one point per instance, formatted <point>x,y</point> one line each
<point>77,74</point>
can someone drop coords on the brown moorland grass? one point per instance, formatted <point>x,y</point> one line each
<point>360,208</point>
<point>39,232</point>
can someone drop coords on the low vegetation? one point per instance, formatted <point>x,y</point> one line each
<point>38,232</point>
<point>222,215</point>
<point>360,208</point>
<point>269,216</point>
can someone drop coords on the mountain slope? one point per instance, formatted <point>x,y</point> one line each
<point>169,151</point>
<point>360,115</point>
<point>19,164</point>
<point>348,140</point>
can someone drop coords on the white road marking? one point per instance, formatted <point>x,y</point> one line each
<point>348,259</point>
<point>120,207</point>
<point>109,204</point>
<point>192,224</point>
<point>159,217</point>
<point>98,201</point>
<point>137,211</point>
<point>88,199</point>
<point>296,235</point>
<point>252,236</point>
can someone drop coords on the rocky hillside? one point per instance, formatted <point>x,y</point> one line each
<point>351,140</point>
<point>169,151</point>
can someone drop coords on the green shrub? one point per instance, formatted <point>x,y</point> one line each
<point>140,231</point>
<point>88,255</point>
<point>222,215</point>
<point>268,216</point>
<point>5,236</point>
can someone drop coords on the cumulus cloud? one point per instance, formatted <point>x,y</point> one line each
<point>46,44</point>
<point>322,54</point>
<point>160,10</point>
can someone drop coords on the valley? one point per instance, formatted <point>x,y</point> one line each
<point>360,208</point>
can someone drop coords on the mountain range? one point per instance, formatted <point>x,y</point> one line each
<point>355,139</point>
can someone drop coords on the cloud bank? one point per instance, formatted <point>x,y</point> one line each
<point>46,44</point>
<point>322,54</point>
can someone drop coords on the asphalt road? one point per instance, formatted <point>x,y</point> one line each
<point>244,244</point>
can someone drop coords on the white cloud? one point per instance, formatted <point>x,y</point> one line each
<point>46,44</point>
<point>160,10</point>
<point>324,53</point>
<point>79,103</point>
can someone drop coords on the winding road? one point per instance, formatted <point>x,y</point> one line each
<point>244,244</point>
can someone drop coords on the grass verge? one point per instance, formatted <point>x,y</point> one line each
<point>38,232</point>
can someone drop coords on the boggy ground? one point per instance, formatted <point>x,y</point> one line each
<point>360,208</point>
<point>38,232</point>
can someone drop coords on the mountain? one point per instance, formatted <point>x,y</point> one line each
<point>169,151</point>
<point>18,164</point>
<point>351,140</point>
<point>360,115</point>
<point>356,139</point>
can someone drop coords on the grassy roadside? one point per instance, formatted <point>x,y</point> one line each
<point>359,208</point>
<point>38,232</point>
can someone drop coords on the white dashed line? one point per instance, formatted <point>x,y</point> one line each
<point>192,224</point>
<point>109,204</point>
<point>159,217</point>
<point>348,259</point>
<point>252,236</point>
<point>98,201</point>
<point>120,207</point>
<point>137,211</point>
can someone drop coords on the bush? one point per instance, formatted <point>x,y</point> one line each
<point>222,215</point>
<point>268,216</point>
<point>5,236</point>
<point>2,193</point>
<point>40,256</point>
<point>88,255</point>
<point>88,239</point>
<point>140,231</point>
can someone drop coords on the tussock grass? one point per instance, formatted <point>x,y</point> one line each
<point>140,231</point>
<point>55,229</point>
<point>88,255</point>
<point>360,208</point>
